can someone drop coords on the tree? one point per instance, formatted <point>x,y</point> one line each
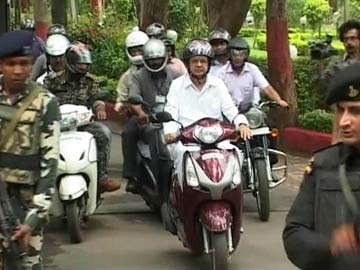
<point>316,11</point>
<point>258,10</point>
<point>334,5</point>
<point>280,67</point>
<point>152,11</point>
<point>41,17</point>
<point>58,12</point>
<point>228,14</point>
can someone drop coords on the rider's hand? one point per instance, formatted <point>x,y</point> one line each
<point>143,118</point>
<point>345,239</point>
<point>170,137</point>
<point>244,131</point>
<point>283,103</point>
<point>23,233</point>
<point>101,115</point>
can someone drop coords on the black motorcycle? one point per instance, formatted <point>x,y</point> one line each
<point>261,169</point>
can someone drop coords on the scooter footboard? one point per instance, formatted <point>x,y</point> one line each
<point>72,187</point>
<point>216,216</point>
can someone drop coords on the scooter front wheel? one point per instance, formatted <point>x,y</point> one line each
<point>75,220</point>
<point>220,256</point>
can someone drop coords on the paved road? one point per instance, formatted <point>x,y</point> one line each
<point>125,235</point>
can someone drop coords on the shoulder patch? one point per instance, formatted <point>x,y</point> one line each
<point>309,167</point>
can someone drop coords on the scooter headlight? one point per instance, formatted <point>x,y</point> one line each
<point>255,118</point>
<point>190,174</point>
<point>236,172</point>
<point>208,135</point>
<point>68,121</point>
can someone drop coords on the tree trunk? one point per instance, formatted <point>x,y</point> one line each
<point>58,12</point>
<point>98,6</point>
<point>137,5</point>
<point>334,5</point>
<point>17,7</point>
<point>25,6</point>
<point>41,17</point>
<point>279,62</point>
<point>228,14</point>
<point>153,11</point>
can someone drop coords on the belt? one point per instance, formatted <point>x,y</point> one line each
<point>21,162</point>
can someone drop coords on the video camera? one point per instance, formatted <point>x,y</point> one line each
<point>320,49</point>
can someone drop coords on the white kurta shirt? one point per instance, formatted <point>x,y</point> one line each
<point>188,104</point>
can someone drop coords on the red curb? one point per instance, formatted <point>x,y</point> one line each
<point>306,141</point>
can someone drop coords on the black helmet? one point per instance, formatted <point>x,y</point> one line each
<point>56,29</point>
<point>220,33</point>
<point>77,53</point>
<point>155,30</point>
<point>239,44</point>
<point>198,47</point>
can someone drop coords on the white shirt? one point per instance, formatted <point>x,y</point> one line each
<point>187,104</point>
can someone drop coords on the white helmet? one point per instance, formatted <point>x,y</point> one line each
<point>172,35</point>
<point>135,39</point>
<point>56,45</point>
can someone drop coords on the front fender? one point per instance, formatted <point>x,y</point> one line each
<point>72,187</point>
<point>216,216</point>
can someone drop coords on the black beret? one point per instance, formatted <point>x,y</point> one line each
<point>345,86</point>
<point>16,43</point>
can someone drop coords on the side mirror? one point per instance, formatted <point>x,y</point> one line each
<point>136,100</point>
<point>164,117</point>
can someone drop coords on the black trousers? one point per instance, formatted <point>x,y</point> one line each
<point>133,132</point>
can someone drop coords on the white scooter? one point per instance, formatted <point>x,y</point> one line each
<point>77,195</point>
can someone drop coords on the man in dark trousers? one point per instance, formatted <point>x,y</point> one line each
<point>322,226</point>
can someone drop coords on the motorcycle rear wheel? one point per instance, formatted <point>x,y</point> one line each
<point>262,193</point>
<point>75,220</point>
<point>220,256</point>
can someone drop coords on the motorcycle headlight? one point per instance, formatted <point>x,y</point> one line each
<point>237,172</point>
<point>255,118</point>
<point>208,135</point>
<point>190,174</point>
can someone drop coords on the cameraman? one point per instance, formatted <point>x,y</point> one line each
<point>322,227</point>
<point>349,34</point>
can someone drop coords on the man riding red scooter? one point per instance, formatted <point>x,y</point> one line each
<point>205,197</point>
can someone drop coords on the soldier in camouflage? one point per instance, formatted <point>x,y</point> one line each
<point>76,86</point>
<point>28,159</point>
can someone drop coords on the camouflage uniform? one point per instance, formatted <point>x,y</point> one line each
<point>84,91</point>
<point>28,161</point>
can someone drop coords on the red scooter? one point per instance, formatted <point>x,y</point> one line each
<point>205,209</point>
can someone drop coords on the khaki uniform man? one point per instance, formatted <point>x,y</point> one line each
<point>322,227</point>
<point>29,157</point>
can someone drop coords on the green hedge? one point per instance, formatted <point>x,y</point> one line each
<point>318,120</point>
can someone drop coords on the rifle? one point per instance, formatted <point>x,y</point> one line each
<point>12,251</point>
